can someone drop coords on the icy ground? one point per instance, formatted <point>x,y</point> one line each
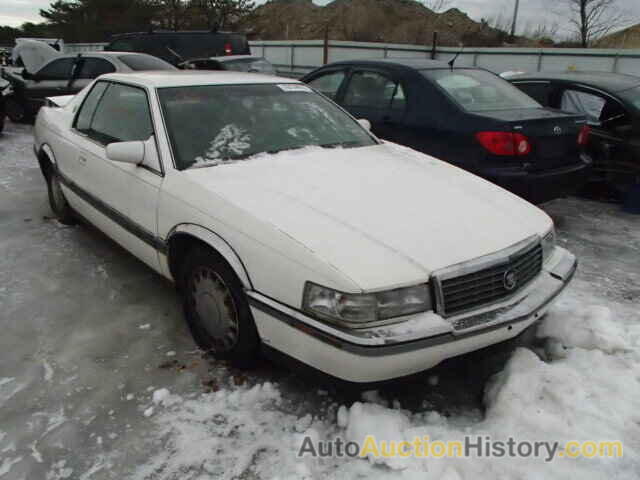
<point>99,378</point>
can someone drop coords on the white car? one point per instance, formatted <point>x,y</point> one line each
<point>238,63</point>
<point>288,227</point>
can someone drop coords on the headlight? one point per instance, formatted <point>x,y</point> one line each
<point>548,244</point>
<point>360,310</point>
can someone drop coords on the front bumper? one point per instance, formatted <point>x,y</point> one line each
<point>419,343</point>
<point>543,186</point>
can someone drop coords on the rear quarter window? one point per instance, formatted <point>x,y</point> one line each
<point>539,91</point>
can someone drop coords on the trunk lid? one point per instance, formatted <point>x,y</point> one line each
<point>553,135</point>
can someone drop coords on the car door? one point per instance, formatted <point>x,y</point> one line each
<point>380,98</point>
<point>610,125</point>
<point>120,198</point>
<point>50,81</point>
<point>88,69</point>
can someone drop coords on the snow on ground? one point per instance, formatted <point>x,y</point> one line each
<point>99,378</point>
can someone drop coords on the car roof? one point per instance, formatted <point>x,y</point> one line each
<point>101,54</point>
<point>614,82</point>
<point>412,63</point>
<point>187,78</point>
<point>172,32</point>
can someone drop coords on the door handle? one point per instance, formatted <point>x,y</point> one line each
<point>83,160</point>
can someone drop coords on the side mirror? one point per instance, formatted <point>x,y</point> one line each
<point>126,152</point>
<point>26,75</point>
<point>366,124</point>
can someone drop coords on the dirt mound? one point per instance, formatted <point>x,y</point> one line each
<point>627,38</point>
<point>391,21</point>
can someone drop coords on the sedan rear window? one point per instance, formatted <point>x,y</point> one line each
<point>145,62</point>
<point>480,91</point>
<point>214,124</point>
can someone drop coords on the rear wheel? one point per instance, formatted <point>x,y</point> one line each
<point>217,310</point>
<point>57,200</point>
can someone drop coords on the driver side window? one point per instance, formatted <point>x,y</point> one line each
<point>329,84</point>
<point>600,111</point>
<point>122,115</point>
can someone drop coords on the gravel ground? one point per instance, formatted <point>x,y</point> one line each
<point>89,334</point>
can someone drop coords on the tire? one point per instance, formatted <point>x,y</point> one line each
<point>15,110</point>
<point>57,200</point>
<point>216,309</point>
<point>2,119</point>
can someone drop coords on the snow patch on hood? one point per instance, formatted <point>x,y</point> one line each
<point>34,54</point>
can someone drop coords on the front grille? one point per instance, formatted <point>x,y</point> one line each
<point>488,285</point>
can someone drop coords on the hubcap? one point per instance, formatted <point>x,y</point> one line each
<point>214,305</point>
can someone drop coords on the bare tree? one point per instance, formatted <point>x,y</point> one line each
<point>499,22</point>
<point>171,13</point>
<point>592,19</point>
<point>542,31</point>
<point>222,13</point>
<point>437,6</point>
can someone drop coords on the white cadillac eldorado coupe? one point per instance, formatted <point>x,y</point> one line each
<point>287,226</point>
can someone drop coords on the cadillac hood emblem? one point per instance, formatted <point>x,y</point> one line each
<point>510,280</point>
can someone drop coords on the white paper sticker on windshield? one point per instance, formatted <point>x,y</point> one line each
<point>294,87</point>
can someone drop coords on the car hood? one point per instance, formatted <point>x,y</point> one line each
<point>34,54</point>
<point>385,215</point>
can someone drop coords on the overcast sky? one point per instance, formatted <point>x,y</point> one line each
<point>532,12</point>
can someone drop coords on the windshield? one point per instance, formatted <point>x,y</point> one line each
<point>632,96</point>
<point>214,124</point>
<point>259,65</point>
<point>479,90</point>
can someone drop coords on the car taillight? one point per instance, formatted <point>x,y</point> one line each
<point>583,136</point>
<point>504,143</point>
<point>228,50</point>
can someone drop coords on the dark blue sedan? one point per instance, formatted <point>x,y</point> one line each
<point>468,117</point>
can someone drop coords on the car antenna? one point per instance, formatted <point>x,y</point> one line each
<point>171,50</point>
<point>455,57</point>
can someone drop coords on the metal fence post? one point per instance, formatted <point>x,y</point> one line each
<point>325,47</point>
<point>434,45</point>
<point>540,53</point>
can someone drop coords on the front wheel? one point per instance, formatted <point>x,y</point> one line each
<point>217,310</point>
<point>57,200</point>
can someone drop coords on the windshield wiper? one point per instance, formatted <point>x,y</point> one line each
<point>216,162</point>
<point>285,149</point>
<point>349,143</point>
